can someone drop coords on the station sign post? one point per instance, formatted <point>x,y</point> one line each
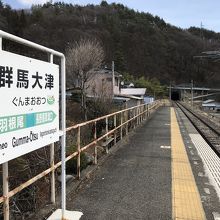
<point>29,115</point>
<point>29,112</point>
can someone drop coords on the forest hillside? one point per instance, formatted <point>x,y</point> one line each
<point>140,44</point>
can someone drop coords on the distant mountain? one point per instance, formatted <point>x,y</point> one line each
<point>140,43</point>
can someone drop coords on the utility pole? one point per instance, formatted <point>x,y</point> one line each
<point>192,93</point>
<point>170,92</point>
<point>201,31</point>
<point>201,34</point>
<point>113,78</point>
<point>202,94</point>
<point>184,95</point>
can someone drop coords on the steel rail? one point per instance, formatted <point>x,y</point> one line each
<point>204,122</point>
<point>202,133</point>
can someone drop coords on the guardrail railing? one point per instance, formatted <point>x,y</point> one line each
<point>121,123</point>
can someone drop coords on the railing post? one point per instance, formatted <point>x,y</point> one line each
<point>136,115</point>
<point>52,177</point>
<point>134,119</point>
<point>95,149</point>
<point>115,125</point>
<point>79,152</point>
<point>126,118</point>
<point>106,126</point>
<point>148,113</point>
<point>141,113</point>
<point>144,112</point>
<point>106,131</point>
<point>121,131</point>
<point>5,191</point>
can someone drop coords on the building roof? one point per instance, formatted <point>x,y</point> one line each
<point>130,96</point>
<point>133,91</point>
<point>120,99</point>
<point>208,101</point>
<point>211,104</point>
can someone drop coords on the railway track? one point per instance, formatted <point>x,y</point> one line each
<point>209,131</point>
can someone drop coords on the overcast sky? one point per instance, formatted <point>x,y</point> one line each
<point>181,13</point>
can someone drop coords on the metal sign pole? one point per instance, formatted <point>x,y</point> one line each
<point>52,178</point>
<point>5,191</point>
<point>63,138</point>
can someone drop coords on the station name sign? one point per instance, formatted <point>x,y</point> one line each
<point>29,100</point>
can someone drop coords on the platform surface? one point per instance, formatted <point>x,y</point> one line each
<point>145,179</point>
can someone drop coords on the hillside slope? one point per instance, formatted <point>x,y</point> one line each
<point>140,44</point>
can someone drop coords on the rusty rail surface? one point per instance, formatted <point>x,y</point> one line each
<point>140,113</point>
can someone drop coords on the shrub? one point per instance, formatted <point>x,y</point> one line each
<point>71,165</point>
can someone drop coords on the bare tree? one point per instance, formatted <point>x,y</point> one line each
<point>82,58</point>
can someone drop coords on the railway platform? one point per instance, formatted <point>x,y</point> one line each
<point>165,170</point>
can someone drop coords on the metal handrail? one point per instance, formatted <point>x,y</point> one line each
<point>91,144</point>
<point>29,43</point>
